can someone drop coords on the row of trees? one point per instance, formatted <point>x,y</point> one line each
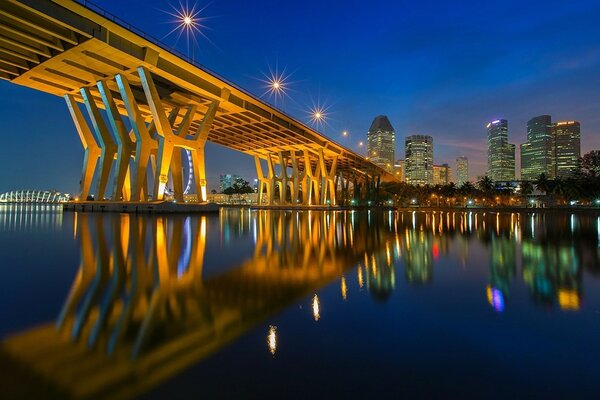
<point>582,185</point>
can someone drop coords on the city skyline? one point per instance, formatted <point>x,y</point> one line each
<point>426,100</point>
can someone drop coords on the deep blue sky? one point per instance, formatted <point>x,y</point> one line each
<point>438,68</point>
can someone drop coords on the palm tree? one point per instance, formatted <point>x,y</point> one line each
<point>543,184</point>
<point>526,188</point>
<point>486,185</point>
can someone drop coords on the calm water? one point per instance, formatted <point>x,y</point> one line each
<point>249,304</point>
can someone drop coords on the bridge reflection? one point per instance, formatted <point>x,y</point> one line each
<point>140,308</point>
<point>143,306</point>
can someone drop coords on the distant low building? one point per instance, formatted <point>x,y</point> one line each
<point>462,170</point>
<point>399,170</point>
<point>441,174</point>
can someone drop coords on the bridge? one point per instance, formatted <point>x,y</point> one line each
<point>147,106</point>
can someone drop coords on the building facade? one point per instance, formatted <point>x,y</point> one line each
<point>567,147</point>
<point>419,160</point>
<point>227,181</point>
<point>442,174</point>
<point>462,170</point>
<point>501,154</point>
<point>551,148</point>
<point>399,170</point>
<point>537,154</point>
<point>381,143</point>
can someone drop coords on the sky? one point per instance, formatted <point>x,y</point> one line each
<point>439,68</point>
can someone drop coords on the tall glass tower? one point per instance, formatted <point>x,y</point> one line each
<point>567,147</point>
<point>381,143</point>
<point>419,160</point>
<point>537,154</point>
<point>501,154</point>
<point>462,170</point>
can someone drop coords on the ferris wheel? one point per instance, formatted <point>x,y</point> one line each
<point>169,191</point>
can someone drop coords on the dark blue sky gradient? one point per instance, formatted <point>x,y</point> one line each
<point>438,68</point>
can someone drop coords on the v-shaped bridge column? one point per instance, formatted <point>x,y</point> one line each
<point>298,179</point>
<point>170,142</point>
<point>144,143</point>
<point>267,181</point>
<point>107,145</point>
<point>125,144</point>
<point>91,147</point>
<point>328,180</point>
<point>312,188</point>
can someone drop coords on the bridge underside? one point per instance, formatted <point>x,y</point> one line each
<point>145,109</point>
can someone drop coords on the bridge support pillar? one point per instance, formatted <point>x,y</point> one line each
<point>90,146</point>
<point>125,145</point>
<point>108,147</point>
<point>313,191</point>
<point>172,140</point>
<point>328,187</point>
<point>145,144</point>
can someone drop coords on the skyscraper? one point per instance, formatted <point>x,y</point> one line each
<point>537,154</point>
<point>462,170</point>
<point>419,160</point>
<point>441,174</point>
<point>381,143</point>
<point>567,147</point>
<point>501,154</point>
<point>227,181</point>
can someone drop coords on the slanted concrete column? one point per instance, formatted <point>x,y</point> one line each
<point>312,178</point>
<point>144,143</point>
<point>327,180</point>
<point>91,147</point>
<point>108,148</point>
<point>170,143</point>
<point>125,144</point>
<point>264,182</point>
<point>298,179</point>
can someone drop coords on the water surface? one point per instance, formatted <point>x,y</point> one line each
<point>299,304</point>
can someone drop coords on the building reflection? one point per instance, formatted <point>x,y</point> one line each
<point>551,252</point>
<point>30,217</point>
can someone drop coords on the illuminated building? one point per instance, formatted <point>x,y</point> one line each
<point>537,153</point>
<point>462,170</point>
<point>227,181</point>
<point>501,154</point>
<point>567,147</point>
<point>419,160</point>
<point>399,169</point>
<point>381,143</point>
<point>441,174</point>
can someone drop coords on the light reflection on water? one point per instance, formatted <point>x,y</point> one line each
<point>143,304</point>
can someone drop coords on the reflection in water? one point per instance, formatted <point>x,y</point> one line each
<point>316,308</point>
<point>272,339</point>
<point>30,217</point>
<point>141,304</point>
